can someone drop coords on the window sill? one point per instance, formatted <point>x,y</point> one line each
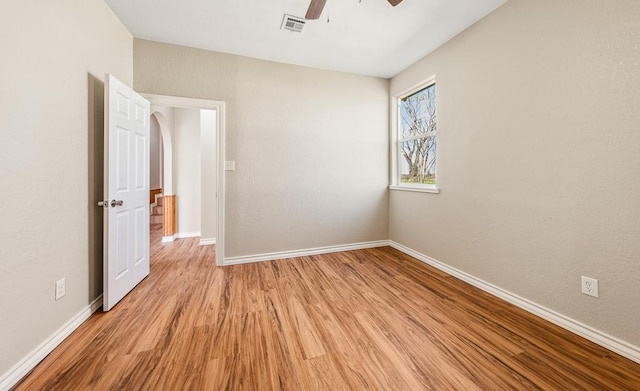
<point>417,189</point>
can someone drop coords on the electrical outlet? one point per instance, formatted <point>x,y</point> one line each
<point>60,288</point>
<point>590,286</point>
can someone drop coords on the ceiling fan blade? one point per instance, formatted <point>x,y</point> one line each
<point>394,2</point>
<point>315,9</point>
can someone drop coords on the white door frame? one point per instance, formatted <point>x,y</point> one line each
<point>219,107</point>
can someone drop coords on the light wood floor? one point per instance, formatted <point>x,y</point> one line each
<point>360,320</point>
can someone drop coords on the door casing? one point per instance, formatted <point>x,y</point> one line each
<point>219,107</point>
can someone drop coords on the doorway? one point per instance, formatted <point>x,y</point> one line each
<point>209,210</point>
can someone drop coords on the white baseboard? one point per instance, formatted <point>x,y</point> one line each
<point>607,341</point>
<point>22,368</point>
<point>185,235</point>
<point>302,253</point>
<point>180,235</point>
<point>18,371</point>
<point>207,241</point>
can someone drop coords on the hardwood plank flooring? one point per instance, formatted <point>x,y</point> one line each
<point>361,320</point>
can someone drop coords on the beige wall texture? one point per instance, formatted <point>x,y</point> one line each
<point>310,146</point>
<point>539,140</point>
<point>49,169</point>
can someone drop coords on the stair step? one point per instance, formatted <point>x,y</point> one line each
<point>155,219</point>
<point>159,201</point>
<point>158,210</point>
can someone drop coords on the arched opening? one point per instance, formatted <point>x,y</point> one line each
<point>167,215</point>
<point>167,152</point>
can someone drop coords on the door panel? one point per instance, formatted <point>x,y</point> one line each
<point>141,216</point>
<point>122,228</point>
<point>126,234</point>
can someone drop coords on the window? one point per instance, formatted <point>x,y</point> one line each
<point>416,139</point>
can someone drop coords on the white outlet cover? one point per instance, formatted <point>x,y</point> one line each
<point>589,286</point>
<point>60,288</point>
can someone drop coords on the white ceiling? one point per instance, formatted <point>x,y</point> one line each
<point>369,37</point>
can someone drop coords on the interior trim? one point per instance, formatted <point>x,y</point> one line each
<point>207,241</point>
<point>24,366</point>
<point>596,336</point>
<point>303,253</point>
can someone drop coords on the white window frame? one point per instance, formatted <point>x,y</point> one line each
<point>395,144</point>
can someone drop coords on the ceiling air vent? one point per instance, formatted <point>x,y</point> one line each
<point>292,23</point>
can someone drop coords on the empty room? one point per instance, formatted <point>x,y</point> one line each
<point>320,195</point>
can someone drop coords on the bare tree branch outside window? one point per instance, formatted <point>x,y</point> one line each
<point>417,137</point>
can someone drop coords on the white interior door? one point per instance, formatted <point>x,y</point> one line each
<point>126,223</point>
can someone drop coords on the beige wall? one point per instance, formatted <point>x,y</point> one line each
<point>310,146</point>
<point>539,140</point>
<point>50,170</point>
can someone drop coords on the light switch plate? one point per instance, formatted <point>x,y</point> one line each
<point>61,288</point>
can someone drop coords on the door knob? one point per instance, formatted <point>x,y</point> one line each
<point>115,203</point>
<point>103,204</point>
